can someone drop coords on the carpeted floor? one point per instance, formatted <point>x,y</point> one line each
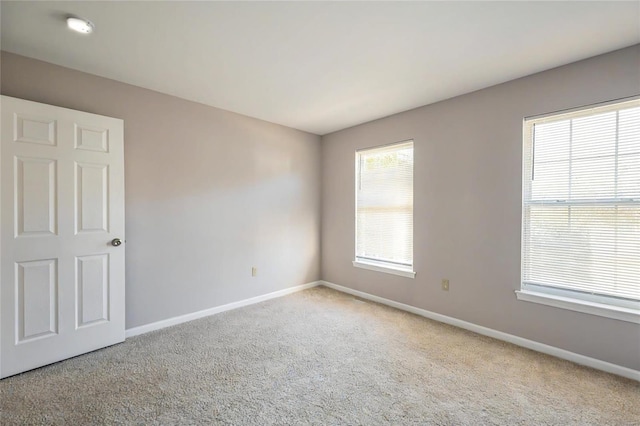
<point>317,357</point>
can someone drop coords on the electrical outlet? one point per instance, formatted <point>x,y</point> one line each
<point>254,271</point>
<point>445,284</point>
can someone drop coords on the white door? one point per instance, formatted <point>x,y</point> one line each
<point>62,206</point>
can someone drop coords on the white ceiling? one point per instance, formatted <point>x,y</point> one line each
<point>319,66</point>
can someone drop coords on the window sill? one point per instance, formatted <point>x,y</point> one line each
<point>386,269</point>
<point>593,308</point>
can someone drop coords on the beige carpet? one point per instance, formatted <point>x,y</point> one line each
<point>317,357</point>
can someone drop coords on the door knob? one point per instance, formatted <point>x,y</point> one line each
<point>116,242</point>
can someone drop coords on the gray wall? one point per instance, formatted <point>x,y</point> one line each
<point>467,206</point>
<point>209,193</point>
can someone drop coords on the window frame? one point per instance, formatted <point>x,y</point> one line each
<point>627,310</point>
<point>373,264</point>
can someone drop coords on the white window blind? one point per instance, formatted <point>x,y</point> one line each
<point>581,202</point>
<point>384,205</point>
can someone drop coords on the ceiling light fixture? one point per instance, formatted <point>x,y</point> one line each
<point>80,25</point>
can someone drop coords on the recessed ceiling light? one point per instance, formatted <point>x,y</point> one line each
<point>80,25</point>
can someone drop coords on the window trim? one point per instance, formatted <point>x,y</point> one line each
<point>372,264</point>
<point>384,267</point>
<point>605,306</point>
<point>571,303</point>
<point>583,110</point>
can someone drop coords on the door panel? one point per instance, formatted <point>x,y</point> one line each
<point>62,202</point>
<point>92,197</point>
<point>92,289</point>
<point>35,189</point>
<point>91,138</point>
<point>38,130</point>
<point>36,298</point>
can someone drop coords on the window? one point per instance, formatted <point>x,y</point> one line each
<point>581,210</point>
<point>384,209</point>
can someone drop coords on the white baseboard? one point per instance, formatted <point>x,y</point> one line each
<point>135,331</point>
<point>519,341</point>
